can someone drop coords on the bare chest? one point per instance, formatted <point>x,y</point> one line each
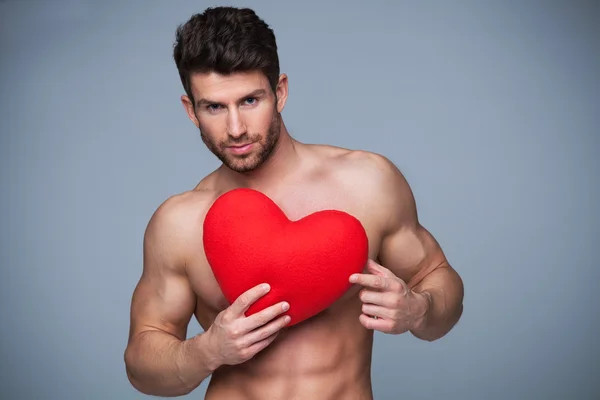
<point>296,202</point>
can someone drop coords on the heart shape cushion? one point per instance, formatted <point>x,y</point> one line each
<point>248,240</point>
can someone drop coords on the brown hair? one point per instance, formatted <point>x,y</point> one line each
<point>225,40</point>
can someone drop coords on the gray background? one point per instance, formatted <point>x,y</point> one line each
<point>490,109</point>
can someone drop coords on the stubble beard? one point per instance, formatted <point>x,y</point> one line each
<point>248,162</point>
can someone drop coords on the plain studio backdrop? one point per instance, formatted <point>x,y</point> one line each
<point>491,110</point>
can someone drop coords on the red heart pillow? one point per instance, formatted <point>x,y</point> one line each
<point>248,240</point>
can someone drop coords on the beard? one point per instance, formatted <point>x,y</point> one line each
<point>251,161</point>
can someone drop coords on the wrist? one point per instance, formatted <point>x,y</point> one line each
<point>204,350</point>
<point>425,305</point>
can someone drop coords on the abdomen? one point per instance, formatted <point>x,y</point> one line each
<point>326,357</point>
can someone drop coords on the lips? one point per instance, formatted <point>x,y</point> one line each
<point>241,149</point>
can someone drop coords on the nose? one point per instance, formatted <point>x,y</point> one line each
<point>235,124</point>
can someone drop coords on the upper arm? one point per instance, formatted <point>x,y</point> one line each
<point>408,249</point>
<point>163,298</point>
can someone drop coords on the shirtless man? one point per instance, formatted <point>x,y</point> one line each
<point>227,60</point>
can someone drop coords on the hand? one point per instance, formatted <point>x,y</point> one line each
<point>396,308</point>
<point>236,338</point>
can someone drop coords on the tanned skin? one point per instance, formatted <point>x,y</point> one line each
<point>407,284</point>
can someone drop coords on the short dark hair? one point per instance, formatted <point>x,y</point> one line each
<point>225,40</point>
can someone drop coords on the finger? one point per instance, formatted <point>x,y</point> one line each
<point>259,346</point>
<point>379,269</point>
<point>383,299</point>
<point>372,281</point>
<point>249,297</point>
<point>382,325</point>
<point>266,331</point>
<point>377,311</point>
<point>264,316</point>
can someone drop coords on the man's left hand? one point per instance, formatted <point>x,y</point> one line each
<point>396,308</point>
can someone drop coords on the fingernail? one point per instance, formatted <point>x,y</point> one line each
<point>353,278</point>
<point>285,306</point>
<point>266,287</point>
<point>287,319</point>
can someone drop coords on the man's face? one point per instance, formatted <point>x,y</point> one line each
<point>237,116</point>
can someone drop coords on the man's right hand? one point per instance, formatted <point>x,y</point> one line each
<point>235,338</point>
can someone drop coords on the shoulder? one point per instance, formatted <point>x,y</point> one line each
<point>181,210</point>
<point>175,228</point>
<point>184,212</point>
<point>369,170</point>
<point>378,182</point>
<point>365,163</point>
<point>372,165</point>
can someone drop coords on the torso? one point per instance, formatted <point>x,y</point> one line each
<point>329,355</point>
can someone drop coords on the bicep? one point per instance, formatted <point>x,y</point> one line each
<point>163,298</point>
<point>408,249</point>
<point>411,253</point>
<point>164,302</point>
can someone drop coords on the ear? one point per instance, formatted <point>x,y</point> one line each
<point>188,105</point>
<point>282,92</point>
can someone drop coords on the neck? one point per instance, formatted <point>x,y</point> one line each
<point>283,160</point>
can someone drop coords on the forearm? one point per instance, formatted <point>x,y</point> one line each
<point>160,364</point>
<point>444,292</point>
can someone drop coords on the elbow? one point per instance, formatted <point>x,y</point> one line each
<point>136,384</point>
<point>442,328</point>
<point>151,390</point>
<point>146,385</point>
<point>428,337</point>
<point>130,370</point>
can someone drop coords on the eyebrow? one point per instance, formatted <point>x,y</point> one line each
<point>256,93</point>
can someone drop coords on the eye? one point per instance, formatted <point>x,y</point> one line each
<point>213,107</point>
<point>251,100</point>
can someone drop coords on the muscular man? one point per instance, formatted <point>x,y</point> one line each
<point>227,60</point>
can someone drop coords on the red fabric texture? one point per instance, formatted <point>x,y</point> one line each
<point>248,240</point>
